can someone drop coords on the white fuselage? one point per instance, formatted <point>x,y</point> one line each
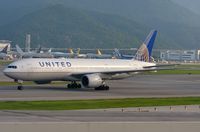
<point>67,69</point>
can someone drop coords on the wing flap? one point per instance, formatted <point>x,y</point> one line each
<point>164,65</point>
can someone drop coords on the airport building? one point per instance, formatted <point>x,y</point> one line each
<point>4,43</point>
<point>180,55</point>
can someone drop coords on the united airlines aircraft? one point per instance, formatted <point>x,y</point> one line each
<point>91,73</point>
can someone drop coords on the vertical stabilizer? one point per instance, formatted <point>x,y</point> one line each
<point>39,50</point>
<point>49,51</point>
<point>19,50</point>
<point>98,52</point>
<point>5,49</point>
<point>117,54</point>
<point>70,50</point>
<point>145,51</point>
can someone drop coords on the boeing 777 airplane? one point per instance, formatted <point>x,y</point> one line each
<point>92,73</point>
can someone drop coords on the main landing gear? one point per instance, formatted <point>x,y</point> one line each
<point>103,87</point>
<point>74,85</point>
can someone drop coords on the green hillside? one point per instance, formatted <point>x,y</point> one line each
<point>145,11</point>
<point>149,12</point>
<point>193,5</point>
<point>59,26</point>
<point>178,26</point>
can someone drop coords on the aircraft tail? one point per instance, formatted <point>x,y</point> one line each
<point>70,50</point>
<point>145,51</point>
<point>19,50</point>
<point>78,51</point>
<point>39,50</point>
<point>5,49</point>
<point>117,54</point>
<point>49,51</point>
<point>98,52</point>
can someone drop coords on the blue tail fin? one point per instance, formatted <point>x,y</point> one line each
<point>145,51</point>
<point>150,41</point>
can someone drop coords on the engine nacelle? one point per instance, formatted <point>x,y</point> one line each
<point>91,81</point>
<point>42,82</point>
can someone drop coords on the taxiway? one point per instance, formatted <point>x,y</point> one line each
<point>139,86</point>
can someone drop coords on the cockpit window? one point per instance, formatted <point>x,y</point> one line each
<point>13,67</point>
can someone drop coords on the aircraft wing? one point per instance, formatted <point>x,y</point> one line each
<point>137,71</point>
<point>107,73</point>
<point>161,65</point>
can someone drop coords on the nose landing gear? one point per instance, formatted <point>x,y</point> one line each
<point>19,87</point>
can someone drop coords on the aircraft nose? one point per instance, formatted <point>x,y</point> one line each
<point>11,72</point>
<point>6,71</point>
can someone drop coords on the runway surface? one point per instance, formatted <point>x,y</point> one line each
<point>150,119</point>
<point>138,86</point>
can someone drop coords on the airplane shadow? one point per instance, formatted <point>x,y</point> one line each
<point>47,88</point>
<point>57,88</point>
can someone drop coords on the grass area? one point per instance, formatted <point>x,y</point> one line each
<point>176,71</point>
<point>97,104</point>
<point>180,69</point>
<point>4,62</point>
<point>14,83</point>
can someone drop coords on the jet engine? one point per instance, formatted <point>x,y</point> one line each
<point>91,81</point>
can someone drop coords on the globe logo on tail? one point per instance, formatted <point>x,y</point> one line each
<point>142,54</point>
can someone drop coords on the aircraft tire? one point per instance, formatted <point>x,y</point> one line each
<point>20,88</point>
<point>74,85</point>
<point>69,86</point>
<point>79,85</point>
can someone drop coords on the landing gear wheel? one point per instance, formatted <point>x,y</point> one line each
<point>69,86</point>
<point>20,88</point>
<point>79,85</point>
<point>20,82</point>
<point>73,85</point>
